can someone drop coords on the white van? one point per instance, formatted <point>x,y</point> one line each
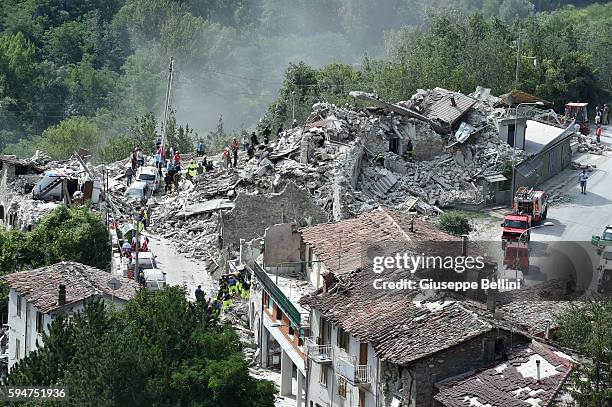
<point>150,175</point>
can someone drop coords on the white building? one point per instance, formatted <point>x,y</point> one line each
<point>316,357</point>
<point>36,297</point>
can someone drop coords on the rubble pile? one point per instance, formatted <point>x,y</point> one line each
<point>590,145</point>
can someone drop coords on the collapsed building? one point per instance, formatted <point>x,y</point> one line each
<point>31,188</point>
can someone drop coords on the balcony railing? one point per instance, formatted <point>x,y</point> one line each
<point>319,353</point>
<point>351,371</point>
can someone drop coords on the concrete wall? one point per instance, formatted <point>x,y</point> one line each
<point>7,174</point>
<point>521,125</point>
<point>282,247</point>
<point>252,214</point>
<point>414,384</point>
<point>541,167</point>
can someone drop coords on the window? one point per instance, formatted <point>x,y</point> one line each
<point>342,339</point>
<point>19,305</point>
<point>323,376</point>
<point>341,387</point>
<point>40,318</point>
<point>17,349</point>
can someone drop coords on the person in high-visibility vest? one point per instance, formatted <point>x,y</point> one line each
<point>246,290</point>
<point>227,302</point>
<point>192,169</point>
<point>232,284</point>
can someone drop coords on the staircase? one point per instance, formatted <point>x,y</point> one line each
<point>44,191</point>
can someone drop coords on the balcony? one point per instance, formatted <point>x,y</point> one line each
<point>357,375</point>
<point>323,354</point>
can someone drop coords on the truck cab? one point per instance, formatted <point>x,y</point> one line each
<point>605,268</point>
<point>515,228</point>
<point>603,241</point>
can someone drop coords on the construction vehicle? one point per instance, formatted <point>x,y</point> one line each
<point>529,208</point>
<point>578,111</point>
<point>601,242</point>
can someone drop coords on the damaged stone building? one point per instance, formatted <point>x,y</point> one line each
<point>338,341</point>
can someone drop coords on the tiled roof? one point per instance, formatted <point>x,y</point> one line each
<point>400,328</point>
<point>443,110</point>
<point>340,245</point>
<point>513,383</point>
<point>40,286</point>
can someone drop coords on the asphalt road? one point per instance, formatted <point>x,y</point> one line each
<point>576,219</point>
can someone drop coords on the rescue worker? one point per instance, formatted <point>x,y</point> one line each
<point>232,284</point>
<point>251,151</point>
<point>177,160</point>
<point>254,140</point>
<point>266,134</point>
<point>380,159</point>
<point>227,302</point>
<point>199,294</point>
<point>192,170</point>
<point>234,148</point>
<point>176,178</point>
<point>129,173</point>
<point>139,156</point>
<point>200,149</point>
<point>294,124</point>
<point>226,158</point>
<point>246,290</point>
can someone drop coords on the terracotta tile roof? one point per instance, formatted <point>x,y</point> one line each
<point>40,286</point>
<point>513,383</point>
<point>400,328</point>
<point>346,240</point>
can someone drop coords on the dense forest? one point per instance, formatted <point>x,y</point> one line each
<point>91,72</point>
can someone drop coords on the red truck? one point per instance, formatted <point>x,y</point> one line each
<point>529,208</point>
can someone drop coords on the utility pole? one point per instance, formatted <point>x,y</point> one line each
<point>167,103</point>
<point>136,268</point>
<point>518,59</point>
<point>292,107</point>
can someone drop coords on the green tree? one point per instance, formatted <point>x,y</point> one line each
<point>75,234</point>
<point>177,355</point>
<point>455,222</point>
<point>587,330</point>
<point>61,141</point>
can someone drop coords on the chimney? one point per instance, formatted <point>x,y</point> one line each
<point>452,100</point>
<point>61,296</point>
<point>547,330</point>
<point>538,368</point>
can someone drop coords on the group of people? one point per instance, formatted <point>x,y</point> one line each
<point>602,114</point>
<point>231,286</point>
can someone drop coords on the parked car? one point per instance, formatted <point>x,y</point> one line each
<point>150,175</point>
<point>138,190</point>
<point>154,277</point>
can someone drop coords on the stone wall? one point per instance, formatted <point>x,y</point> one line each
<point>252,214</point>
<point>414,385</point>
